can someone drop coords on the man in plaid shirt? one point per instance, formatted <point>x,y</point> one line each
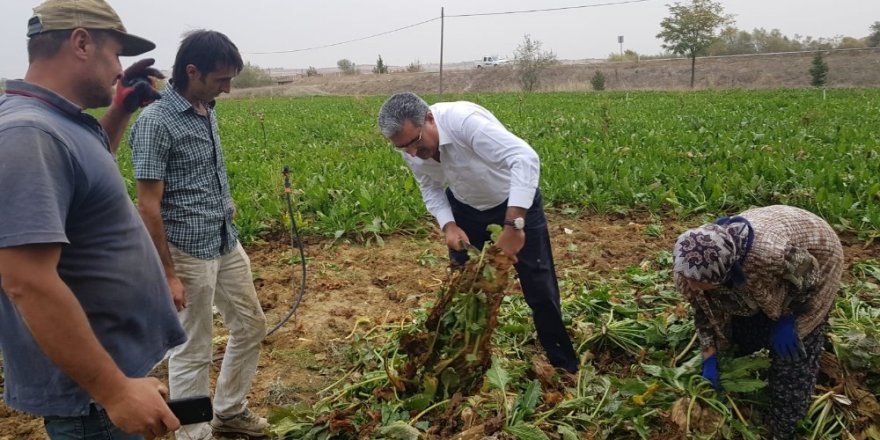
<point>183,197</point>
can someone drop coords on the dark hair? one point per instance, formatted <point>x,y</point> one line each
<point>208,51</point>
<point>47,44</point>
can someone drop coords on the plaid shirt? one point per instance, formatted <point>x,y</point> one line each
<point>173,143</point>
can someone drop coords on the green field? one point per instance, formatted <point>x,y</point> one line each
<point>676,155</point>
<point>671,153</point>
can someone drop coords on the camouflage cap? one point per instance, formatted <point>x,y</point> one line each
<point>59,15</point>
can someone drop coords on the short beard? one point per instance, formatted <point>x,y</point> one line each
<point>95,94</point>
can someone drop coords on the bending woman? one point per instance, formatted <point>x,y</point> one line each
<point>766,278</point>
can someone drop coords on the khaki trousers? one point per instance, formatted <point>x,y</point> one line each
<point>227,283</point>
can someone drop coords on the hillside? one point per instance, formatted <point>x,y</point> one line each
<point>847,68</point>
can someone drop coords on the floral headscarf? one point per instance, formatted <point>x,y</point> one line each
<point>714,253</point>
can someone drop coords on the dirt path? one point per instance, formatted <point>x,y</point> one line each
<point>350,285</point>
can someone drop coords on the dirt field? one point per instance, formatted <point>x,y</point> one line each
<point>351,285</point>
<point>857,68</point>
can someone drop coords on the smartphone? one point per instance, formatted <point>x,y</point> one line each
<point>191,410</point>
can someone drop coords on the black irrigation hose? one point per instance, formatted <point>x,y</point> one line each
<point>294,235</point>
<point>295,241</point>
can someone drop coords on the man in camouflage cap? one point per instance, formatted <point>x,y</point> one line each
<point>85,312</point>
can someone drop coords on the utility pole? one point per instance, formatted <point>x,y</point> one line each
<point>441,49</point>
<point>620,40</point>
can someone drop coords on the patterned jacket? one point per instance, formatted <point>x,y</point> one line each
<point>794,267</point>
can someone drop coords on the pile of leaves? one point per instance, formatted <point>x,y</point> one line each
<point>452,352</point>
<point>436,376</point>
<point>435,361</point>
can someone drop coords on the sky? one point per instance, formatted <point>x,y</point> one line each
<point>261,26</point>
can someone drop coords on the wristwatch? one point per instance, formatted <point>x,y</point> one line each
<point>518,223</point>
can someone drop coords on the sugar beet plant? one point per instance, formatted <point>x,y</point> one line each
<point>665,152</point>
<point>680,154</point>
<point>639,376</point>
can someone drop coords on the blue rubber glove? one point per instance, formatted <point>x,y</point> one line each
<point>710,371</point>
<point>786,343</point>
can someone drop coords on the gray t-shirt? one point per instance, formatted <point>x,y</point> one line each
<point>60,184</point>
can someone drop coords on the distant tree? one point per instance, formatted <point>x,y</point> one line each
<point>598,81</point>
<point>415,66</point>
<point>690,29</point>
<point>775,41</point>
<point>818,44</point>
<point>252,75</point>
<point>347,67</point>
<point>628,55</point>
<point>819,71</point>
<point>874,38</point>
<point>380,66</point>
<point>732,41</point>
<point>852,43</point>
<point>312,71</point>
<point>530,62</point>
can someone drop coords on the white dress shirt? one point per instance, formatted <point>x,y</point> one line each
<point>481,162</point>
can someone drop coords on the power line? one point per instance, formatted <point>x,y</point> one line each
<point>482,14</point>
<point>529,11</point>
<point>347,41</point>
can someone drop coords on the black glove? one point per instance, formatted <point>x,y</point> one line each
<point>137,86</point>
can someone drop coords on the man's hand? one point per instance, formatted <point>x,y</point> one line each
<point>233,208</point>
<point>785,341</point>
<point>456,239</point>
<point>139,407</point>
<point>178,292</point>
<point>511,241</point>
<point>136,88</point>
<point>710,371</point>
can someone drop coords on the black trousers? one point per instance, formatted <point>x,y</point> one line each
<point>791,383</point>
<point>535,268</point>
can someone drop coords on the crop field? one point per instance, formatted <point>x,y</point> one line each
<point>671,155</point>
<point>667,153</point>
<point>622,175</point>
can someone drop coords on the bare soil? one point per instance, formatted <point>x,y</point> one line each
<point>353,286</point>
<point>847,68</point>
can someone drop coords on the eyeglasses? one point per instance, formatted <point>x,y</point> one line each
<point>410,143</point>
